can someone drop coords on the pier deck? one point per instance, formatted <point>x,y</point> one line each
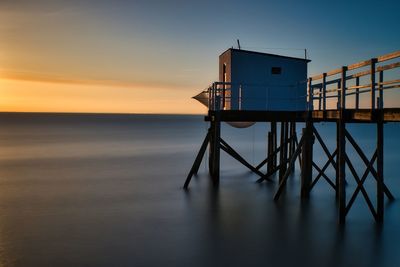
<point>350,115</point>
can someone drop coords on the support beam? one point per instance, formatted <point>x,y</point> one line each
<point>269,153</point>
<point>367,163</point>
<point>230,151</point>
<point>282,158</point>
<point>197,162</point>
<point>291,164</point>
<point>214,159</point>
<point>379,166</point>
<point>268,159</point>
<point>274,143</point>
<point>342,150</point>
<point>307,155</point>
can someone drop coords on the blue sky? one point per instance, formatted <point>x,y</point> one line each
<point>174,45</point>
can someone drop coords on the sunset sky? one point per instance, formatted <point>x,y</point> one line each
<point>151,56</point>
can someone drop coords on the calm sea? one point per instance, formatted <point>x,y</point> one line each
<point>106,190</point>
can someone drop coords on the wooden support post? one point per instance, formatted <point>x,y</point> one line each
<point>342,150</point>
<point>274,143</point>
<point>291,164</point>
<point>215,134</point>
<point>379,165</point>
<point>337,161</point>
<point>307,159</point>
<point>292,143</point>
<point>373,65</point>
<point>286,144</point>
<point>341,170</point>
<point>282,154</point>
<point>357,93</point>
<point>269,153</point>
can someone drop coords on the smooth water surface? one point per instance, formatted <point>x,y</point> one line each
<point>106,190</point>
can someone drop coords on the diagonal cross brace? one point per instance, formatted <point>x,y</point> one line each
<point>366,162</point>
<point>198,160</point>
<point>291,164</point>
<point>360,185</point>
<point>228,149</point>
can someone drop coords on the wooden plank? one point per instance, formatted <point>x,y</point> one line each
<point>351,115</point>
<point>359,65</point>
<point>316,77</point>
<point>389,56</point>
<point>334,72</point>
<point>388,67</point>
<point>368,72</point>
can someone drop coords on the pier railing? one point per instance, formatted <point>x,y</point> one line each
<point>334,89</point>
<point>242,96</point>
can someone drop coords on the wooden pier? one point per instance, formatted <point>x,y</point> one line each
<point>335,96</point>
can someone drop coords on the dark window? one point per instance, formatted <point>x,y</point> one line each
<point>276,70</point>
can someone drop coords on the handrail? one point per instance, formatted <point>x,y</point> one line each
<point>318,84</point>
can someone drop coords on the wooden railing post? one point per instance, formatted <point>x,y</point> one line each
<point>380,90</point>
<point>343,88</point>
<point>373,65</point>
<point>357,93</point>
<point>324,91</point>
<point>320,98</point>
<point>339,96</point>
<point>310,95</point>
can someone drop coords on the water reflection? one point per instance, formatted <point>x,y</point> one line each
<point>241,229</point>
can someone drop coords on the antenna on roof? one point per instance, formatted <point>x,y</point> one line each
<point>305,53</point>
<point>238,43</point>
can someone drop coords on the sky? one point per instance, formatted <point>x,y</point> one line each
<point>152,56</point>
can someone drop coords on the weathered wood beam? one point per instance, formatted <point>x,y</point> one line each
<point>322,174</point>
<point>230,151</point>
<point>366,162</point>
<point>291,163</point>
<point>198,160</point>
<point>360,186</point>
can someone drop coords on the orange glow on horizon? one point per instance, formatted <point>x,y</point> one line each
<point>49,95</point>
